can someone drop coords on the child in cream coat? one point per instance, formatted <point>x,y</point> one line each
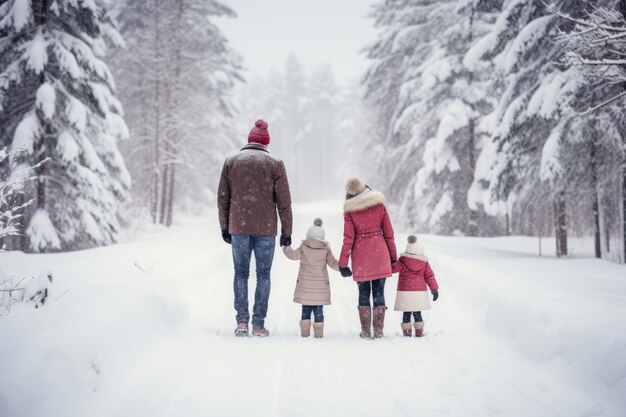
<point>312,286</point>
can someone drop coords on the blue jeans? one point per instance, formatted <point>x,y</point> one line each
<point>263,248</point>
<point>375,288</point>
<point>318,312</point>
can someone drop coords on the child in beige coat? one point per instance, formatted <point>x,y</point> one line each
<point>312,286</point>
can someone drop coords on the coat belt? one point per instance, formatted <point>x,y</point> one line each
<point>369,234</point>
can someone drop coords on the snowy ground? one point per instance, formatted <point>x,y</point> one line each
<point>146,330</point>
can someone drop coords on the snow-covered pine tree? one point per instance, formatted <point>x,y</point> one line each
<point>597,50</point>
<point>390,51</point>
<point>433,107</point>
<point>532,116</point>
<point>455,109</point>
<point>177,75</point>
<point>406,33</point>
<point>57,104</point>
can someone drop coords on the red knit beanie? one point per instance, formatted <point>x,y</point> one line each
<point>259,133</point>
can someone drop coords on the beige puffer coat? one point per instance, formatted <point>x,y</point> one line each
<point>312,287</point>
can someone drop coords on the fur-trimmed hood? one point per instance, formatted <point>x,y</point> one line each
<point>364,200</point>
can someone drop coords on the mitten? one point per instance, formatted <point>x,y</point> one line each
<point>285,240</point>
<point>226,236</point>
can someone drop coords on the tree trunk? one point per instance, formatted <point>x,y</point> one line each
<point>624,210</point>
<point>164,193</point>
<point>156,151</point>
<point>595,204</point>
<point>472,224</point>
<point>560,225</point>
<point>172,135</point>
<point>170,202</point>
<point>622,6</point>
<point>40,150</point>
<point>507,224</point>
<point>607,237</point>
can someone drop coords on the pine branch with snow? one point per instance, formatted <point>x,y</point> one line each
<point>58,105</point>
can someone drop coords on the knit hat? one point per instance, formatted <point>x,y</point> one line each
<point>259,133</point>
<point>414,247</point>
<point>355,186</point>
<point>316,231</point>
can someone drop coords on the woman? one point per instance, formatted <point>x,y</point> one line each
<point>368,239</point>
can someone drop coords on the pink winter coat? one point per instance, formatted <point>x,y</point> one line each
<point>367,237</point>
<point>415,274</point>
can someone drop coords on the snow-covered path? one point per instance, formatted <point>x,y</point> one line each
<point>154,338</point>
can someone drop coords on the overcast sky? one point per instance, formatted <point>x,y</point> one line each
<point>317,31</point>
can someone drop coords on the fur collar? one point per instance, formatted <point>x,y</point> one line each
<point>411,256</point>
<point>365,200</point>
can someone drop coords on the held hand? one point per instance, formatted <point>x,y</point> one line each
<point>435,294</point>
<point>345,271</point>
<point>285,240</point>
<point>226,236</point>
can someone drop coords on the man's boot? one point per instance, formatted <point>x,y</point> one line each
<point>260,332</point>
<point>365,315</point>
<point>419,328</point>
<point>318,330</point>
<point>305,328</point>
<point>379,321</point>
<point>407,329</point>
<point>241,330</point>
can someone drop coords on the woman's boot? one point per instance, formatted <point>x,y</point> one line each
<point>379,321</point>
<point>318,330</point>
<point>419,328</point>
<point>305,328</point>
<point>365,315</point>
<point>407,329</point>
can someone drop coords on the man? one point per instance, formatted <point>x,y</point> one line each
<point>253,186</point>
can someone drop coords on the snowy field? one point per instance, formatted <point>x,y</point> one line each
<point>145,329</point>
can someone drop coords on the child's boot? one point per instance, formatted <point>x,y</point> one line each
<point>305,328</point>
<point>365,315</point>
<point>379,321</point>
<point>407,329</point>
<point>318,330</point>
<point>419,328</point>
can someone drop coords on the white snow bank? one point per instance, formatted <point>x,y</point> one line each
<point>103,315</point>
<point>569,312</point>
<point>146,330</point>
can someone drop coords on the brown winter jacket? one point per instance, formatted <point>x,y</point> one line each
<point>312,287</point>
<point>252,187</point>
